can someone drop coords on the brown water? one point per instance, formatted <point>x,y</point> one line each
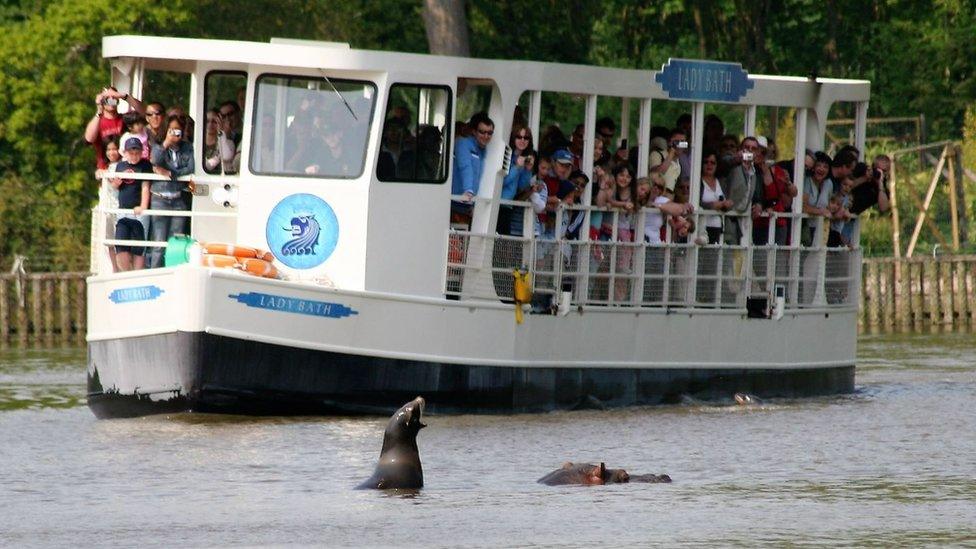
<point>894,464</point>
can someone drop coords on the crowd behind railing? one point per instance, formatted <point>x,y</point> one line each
<point>649,226</point>
<point>143,158</point>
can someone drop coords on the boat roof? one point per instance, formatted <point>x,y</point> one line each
<point>182,54</point>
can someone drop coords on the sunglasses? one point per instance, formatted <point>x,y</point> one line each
<point>521,137</point>
<point>153,113</point>
<point>486,132</point>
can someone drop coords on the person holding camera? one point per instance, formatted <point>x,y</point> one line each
<point>107,122</point>
<point>171,159</point>
<point>668,164</point>
<point>740,187</point>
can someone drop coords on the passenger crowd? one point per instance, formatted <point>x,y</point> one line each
<point>742,177</point>
<point>148,138</point>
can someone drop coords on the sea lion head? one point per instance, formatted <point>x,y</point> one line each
<point>405,422</point>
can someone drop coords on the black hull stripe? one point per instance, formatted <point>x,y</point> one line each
<point>219,374</point>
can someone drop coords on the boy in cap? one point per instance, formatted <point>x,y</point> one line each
<point>133,194</point>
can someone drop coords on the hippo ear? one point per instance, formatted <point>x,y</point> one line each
<point>603,470</point>
<point>568,465</point>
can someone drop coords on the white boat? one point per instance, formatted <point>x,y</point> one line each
<point>381,299</point>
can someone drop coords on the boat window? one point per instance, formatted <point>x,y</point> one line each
<point>416,134</point>
<point>223,97</point>
<point>311,127</point>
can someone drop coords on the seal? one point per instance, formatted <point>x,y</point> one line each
<point>399,464</point>
<point>589,474</point>
<point>745,399</point>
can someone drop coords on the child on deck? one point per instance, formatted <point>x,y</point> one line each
<point>133,194</point>
<point>135,126</point>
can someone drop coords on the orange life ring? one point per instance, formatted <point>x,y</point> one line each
<point>221,248</point>
<point>220,260</point>
<point>259,267</point>
<point>265,255</point>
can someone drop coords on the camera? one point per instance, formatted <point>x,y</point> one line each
<point>682,144</point>
<point>176,132</point>
<point>747,156</point>
<point>877,174</point>
<point>110,101</point>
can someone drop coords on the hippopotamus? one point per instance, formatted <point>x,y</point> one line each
<point>587,473</point>
<point>745,399</point>
<point>399,465</point>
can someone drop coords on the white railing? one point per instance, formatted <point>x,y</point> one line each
<point>104,216</point>
<point>689,275</point>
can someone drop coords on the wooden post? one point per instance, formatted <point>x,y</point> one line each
<point>890,287</point>
<point>932,292</point>
<point>4,314</point>
<point>945,292</point>
<point>953,209</point>
<point>78,306</point>
<point>872,295</point>
<point>970,269</point>
<point>959,292</point>
<point>64,311</point>
<point>48,285</point>
<point>928,202</point>
<point>895,220</point>
<point>903,285</point>
<point>36,311</point>
<point>918,294</point>
<point>961,204</point>
<point>862,316</point>
<point>22,326</point>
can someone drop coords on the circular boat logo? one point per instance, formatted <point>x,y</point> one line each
<point>302,231</point>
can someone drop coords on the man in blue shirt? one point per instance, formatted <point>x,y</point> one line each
<point>469,163</point>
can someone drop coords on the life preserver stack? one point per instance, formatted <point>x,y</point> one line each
<point>253,261</point>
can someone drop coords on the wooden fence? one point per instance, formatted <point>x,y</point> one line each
<point>915,293</point>
<point>918,293</point>
<point>42,309</point>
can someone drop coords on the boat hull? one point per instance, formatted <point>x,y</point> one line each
<point>200,372</point>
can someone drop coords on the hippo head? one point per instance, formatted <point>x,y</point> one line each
<point>614,476</point>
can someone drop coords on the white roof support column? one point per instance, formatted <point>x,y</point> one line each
<point>535,112</point>
<point>749,124</point>
<point>589,137</point>
<point>799,154</point>
<point>697,128</point>
<point>624,117</point>
<point>644,138</point>
<point>860,127</point>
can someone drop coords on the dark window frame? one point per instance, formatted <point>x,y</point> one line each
<point>254,116</point>
<point>447,135</point>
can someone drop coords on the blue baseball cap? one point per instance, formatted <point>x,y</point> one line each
<point>133,143</point>
<point>562,156</point>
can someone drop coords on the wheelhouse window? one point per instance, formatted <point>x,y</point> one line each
<point>311,127</point>
<point>416,135</point>
<point>224,94</point>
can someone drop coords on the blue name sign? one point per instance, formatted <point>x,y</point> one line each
<point>136,293</point>
<point>294,305</point>
<point>704,80</point>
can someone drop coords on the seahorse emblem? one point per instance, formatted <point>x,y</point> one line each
<point>305,230</point>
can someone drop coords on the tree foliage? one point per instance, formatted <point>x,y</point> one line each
<point>918,55</point>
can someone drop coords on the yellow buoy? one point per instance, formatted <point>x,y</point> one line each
<point>522,291</point>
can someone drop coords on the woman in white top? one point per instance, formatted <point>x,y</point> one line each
<point>712,197</point>
<point>650,192</point>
